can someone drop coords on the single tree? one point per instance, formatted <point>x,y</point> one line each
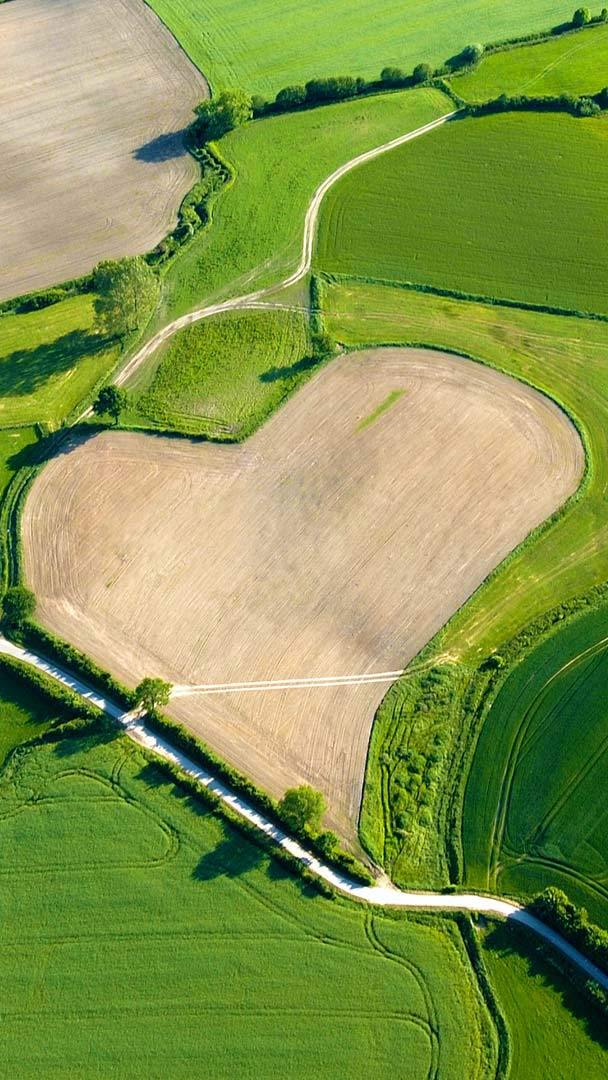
<point>17,606</point>
<point>391,76</point>
<point>110,401</point>
<point>472,54</point>
<point>302,806</point>
<point>221,114</point>
<point>152,693</point>
<point>422,73</point>
<point>581,16</point>
<point>126,292</point>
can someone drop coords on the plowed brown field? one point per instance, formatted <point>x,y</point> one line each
<point>92,98</point>
<point>335,542</point>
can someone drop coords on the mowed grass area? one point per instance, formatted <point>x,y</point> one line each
<point>142,936</point>
<point>223,376</point>
<point>553,1033</point>
<point>264,45</point>
<point>256,235</point>
<point>567,358</point>
<point>14,446</point>
<point>49,361</point>
<point>534,811</point>
<point>572,64</point>
<point>509,206</point>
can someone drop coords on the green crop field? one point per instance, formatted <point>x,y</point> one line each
<point>256,235</point>
<point>142,936</point>
<point>572,64</point>
<point>223,376</point>
<point>535,811</point>
<point>49,361</point>
<point>566,358</point>
<point>552,1032</point>
<point>264,45</point>
<point>510,206</point>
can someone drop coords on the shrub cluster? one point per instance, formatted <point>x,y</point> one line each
<point>195,210</point>
<point>554,908</point>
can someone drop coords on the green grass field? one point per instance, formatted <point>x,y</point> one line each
<point>552,1032</point>
<point>566,358</point>
<point>509,206</point>
<point>49,361</point>
<point>141,936</point>
<point>534,811</point>
<point>223,376</point>
<point>13,452</point>
<point>573,64</point>
<point>256,235</point>
<point>263,45</point>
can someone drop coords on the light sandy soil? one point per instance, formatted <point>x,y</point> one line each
<point>321,547</point>
<point>92,98</point>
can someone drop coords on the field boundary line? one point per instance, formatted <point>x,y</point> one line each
<point>377,895</point>
<point>250,300</point>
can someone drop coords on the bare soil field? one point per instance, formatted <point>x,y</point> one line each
<point>93,97</point>
<point>336,541</point>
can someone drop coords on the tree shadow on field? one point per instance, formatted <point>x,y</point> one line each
<point>508,938</point>
<point>229,859</point>
<point>275,374</point>
<point>165,147</point>
<point>25,370</point>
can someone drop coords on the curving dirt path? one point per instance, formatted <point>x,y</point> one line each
<point>378,895</point>
<point>255,299</point>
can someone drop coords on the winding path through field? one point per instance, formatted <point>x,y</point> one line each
<point>256,299</point>
<point>378,895</point>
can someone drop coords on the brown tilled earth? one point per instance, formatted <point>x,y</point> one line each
<point>92,98</point>
<point>324,546</point>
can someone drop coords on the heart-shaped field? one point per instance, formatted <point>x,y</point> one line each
<point>334,543</point>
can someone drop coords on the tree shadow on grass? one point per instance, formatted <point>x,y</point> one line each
<point>508,938</point>
<point>276,374</point>
<point>24,371</point>
<point>165,147</point>
<point>229,859</point>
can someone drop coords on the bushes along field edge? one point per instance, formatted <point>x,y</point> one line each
<point>553,907</point>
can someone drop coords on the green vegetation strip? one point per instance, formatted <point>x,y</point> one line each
<point>223,376</point>
<point>172,939</point>
<point>389,400</point>
<point>506,205</point>
<point>572,64</point>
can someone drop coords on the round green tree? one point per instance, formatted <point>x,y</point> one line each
<point>17,606</point>
<point>301,807</point>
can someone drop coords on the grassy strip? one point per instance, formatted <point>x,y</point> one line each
<point>222,377</point>
<point>475,957</point>
<point>573,63</point>
<point>389,400</point>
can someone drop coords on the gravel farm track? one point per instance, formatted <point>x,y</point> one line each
<point>92,163</point>
<point>335,542</point>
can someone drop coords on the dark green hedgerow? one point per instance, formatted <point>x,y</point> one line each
<point>52,647</point>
